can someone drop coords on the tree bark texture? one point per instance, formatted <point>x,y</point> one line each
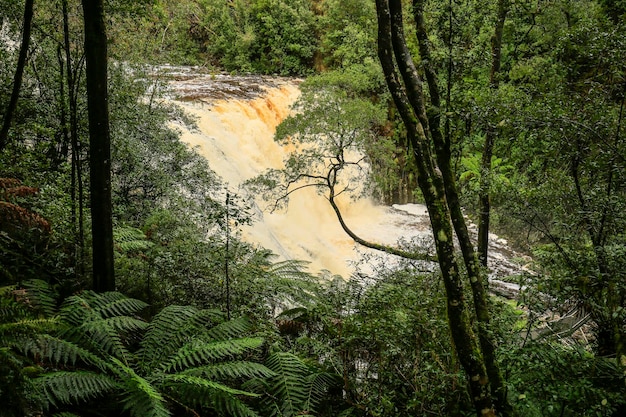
<point>408,98</point>
<point>19,72</point>
<point>476,275</point>
<point>99,145</point>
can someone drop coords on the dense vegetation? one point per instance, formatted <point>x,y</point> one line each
<point>520,107</point>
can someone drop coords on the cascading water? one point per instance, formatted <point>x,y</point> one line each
<point>236,119</point>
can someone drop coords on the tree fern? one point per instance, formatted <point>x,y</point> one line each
<point>199,352</point>
<point>40,296</point>
<point>295,388</point>
<point>76,309</point>
<point>170,328</point>
<point>184,357</point>
<point>141,398</point>
<point>230,329</point>
<point>60,352</point>
<point>130,239</point>
<point>231,370</point>
<point>26,313</point>
<point>72,387</point>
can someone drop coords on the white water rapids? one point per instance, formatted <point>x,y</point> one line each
<point>236,119</point>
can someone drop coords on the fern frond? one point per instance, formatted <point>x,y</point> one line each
<point>60,351</point>
<point>26,327</point>
<point>289,385</point>
<point>184,382</point>
<point>231,406</point>
<point>292,269</point>
<point>130,239</point>
<point>141,399</point>
<point>104,338</point>
<point>169,330</point>
<point>196,391</point>
<point>319,384</point>
<point>198,352</point>
<point>40,296</point>
<point>230,329</point>
<point>73,387</point>
<point>231,370</point>
<point>109,304</point>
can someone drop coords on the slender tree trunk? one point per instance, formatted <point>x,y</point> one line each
<point>410,104</point>
<point>490,137</point>
<point>65,134</point>
<point>477,278</point>
<point>99,145</point>
<point>73,69</point>
<point>19,72</point>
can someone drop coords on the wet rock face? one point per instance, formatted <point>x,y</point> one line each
<point>199,84</point>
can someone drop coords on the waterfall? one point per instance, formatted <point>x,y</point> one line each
<point>236,119</point>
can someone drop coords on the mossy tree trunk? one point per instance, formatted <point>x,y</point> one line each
<point>407,93</point>
<point>437,183</point>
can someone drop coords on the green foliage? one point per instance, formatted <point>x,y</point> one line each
<point>103,350</point>
<point>349,33</point>
<point>555,380</point>
<point>385,337</point>
<point>25,313</point>
<point>329,129</point>
<point>297,388</point>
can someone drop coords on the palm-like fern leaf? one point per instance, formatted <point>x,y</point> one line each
<point>199,391</point>
<point>142,399</point>
<point>184,357</point>
<point>130,239</point>
<point>169,329</point>
<point>15,331</point>
<point>186,381</point>
<point>292,277</point>
<point>71,387</point>
<point>318,385</point>
<point>100,322</point>
<point>295,388</point>
<point>199,352</point>
<point>290,269</point>
<point>289,384</point>
<point>230,329</point>
<point>231,370</point>
<point>40,296</point>
<point>228,405</point>
<point>90,305</point>
<point>63,352</point>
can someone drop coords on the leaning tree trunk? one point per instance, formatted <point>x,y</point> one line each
<point>408,98</point>
<point>19,72</point>
<point>99,145</point>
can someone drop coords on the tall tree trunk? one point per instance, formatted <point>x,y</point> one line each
<point>408,99</point>
<point>73,69</point>
<point>99,145</point>
<point>490,137</point>
<point>477,278</point>
<point>19,72</point>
